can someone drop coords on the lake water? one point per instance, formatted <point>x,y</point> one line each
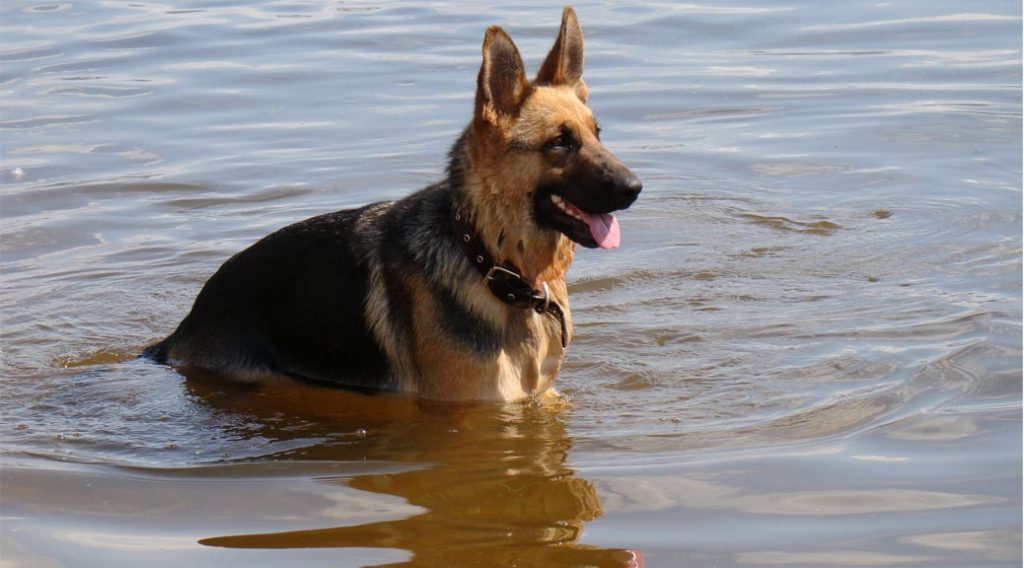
<point>807,351</point>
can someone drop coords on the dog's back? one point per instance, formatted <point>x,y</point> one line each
<point>291,304</point>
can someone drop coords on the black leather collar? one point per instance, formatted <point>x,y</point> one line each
<point>504,281</point>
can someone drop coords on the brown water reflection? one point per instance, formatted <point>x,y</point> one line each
<point>493,483</point>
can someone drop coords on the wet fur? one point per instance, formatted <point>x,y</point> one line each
<point>382,297</point>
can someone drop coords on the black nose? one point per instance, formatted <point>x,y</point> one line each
<point>629,187</point>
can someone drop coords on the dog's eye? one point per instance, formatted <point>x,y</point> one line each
<point>561,142</point>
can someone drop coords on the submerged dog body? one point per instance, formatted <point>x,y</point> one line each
<point>391,296</point>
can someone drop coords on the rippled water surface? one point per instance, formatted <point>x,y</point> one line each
<point>807,351</point>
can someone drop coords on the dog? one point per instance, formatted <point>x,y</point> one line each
<point>456,292</point>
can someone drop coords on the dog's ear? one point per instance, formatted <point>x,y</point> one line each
<point>564,63</point>
<point>502,84</point>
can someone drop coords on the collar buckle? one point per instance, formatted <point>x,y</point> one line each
<point>496,270</point>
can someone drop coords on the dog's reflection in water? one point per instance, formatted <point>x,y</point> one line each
<point>492,481</point>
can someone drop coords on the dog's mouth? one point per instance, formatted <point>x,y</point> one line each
<point>603,227</point>
<point>591,230</point>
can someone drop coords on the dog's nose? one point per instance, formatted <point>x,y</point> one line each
<point>629,187</point>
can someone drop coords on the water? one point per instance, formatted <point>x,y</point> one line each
<point>807,351</point>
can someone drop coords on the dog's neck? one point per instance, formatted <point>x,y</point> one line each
<point>503,217</point>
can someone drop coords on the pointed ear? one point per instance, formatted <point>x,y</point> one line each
<point>564,64</point>
<point>502,84</point>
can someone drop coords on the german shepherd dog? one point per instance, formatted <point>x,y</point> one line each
<point>456,292</point>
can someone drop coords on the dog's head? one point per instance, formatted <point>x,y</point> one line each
<point>541,144</point>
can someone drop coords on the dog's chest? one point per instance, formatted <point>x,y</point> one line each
<point>529,364</point>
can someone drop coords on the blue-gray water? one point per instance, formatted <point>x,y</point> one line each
<point>807,351</point>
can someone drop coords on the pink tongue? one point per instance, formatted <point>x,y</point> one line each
<point>604,228</point>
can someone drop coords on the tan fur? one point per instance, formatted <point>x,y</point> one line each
<point>500,180</point>
<point>455,374</point>
<point>523,368</point>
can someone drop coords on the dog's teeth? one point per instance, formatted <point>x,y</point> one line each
<point>564,207</point>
